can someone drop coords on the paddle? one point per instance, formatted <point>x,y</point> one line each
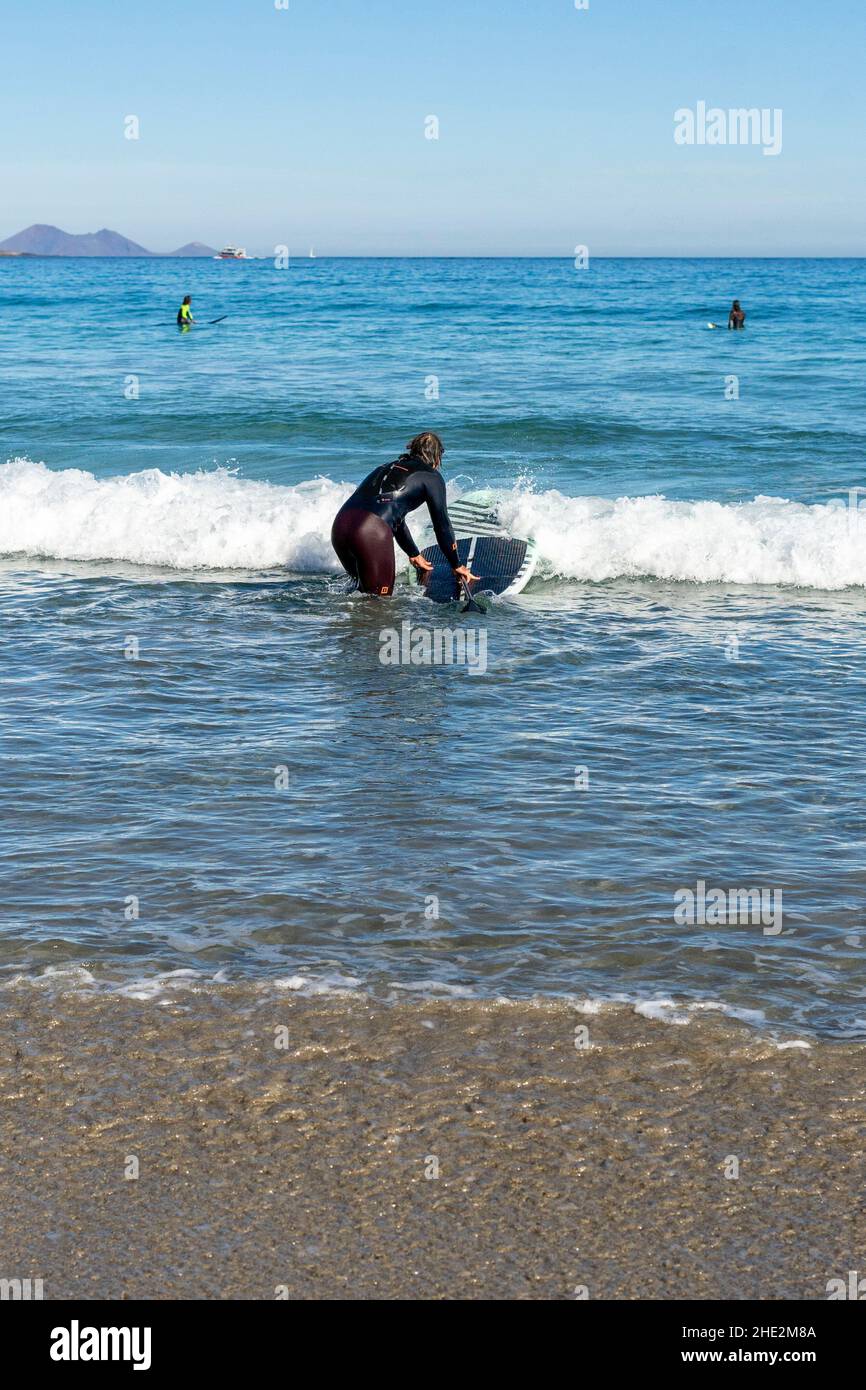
<point>472,605</point>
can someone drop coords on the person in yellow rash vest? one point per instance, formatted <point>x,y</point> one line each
<point>184,313</point>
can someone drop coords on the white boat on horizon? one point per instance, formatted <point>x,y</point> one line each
<point>233,253</point>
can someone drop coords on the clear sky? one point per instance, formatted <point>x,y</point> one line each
<point>306,125</point>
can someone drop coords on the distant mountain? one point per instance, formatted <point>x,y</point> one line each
<point>41,240</point>
<point>194,248</point>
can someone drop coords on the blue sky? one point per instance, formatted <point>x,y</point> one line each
<point>306,126</point>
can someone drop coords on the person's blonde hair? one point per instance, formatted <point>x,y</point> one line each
<point>427,447</point>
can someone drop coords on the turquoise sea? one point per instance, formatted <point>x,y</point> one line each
<point>206,767</point>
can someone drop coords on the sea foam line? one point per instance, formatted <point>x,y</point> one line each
<point>218,520</point>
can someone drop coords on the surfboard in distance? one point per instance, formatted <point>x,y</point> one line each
<point>504,563</point>
<point>206,323</point>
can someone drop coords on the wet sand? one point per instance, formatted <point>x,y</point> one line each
<point>302,1169</point>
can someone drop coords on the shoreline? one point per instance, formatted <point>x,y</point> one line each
<point>301,1163</point>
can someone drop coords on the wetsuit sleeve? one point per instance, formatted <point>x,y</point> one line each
<point>404,539</point>
<point>441,521</point>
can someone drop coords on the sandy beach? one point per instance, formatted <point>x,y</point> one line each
<point>288,1146</point>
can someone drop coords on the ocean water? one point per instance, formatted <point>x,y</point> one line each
<point>208,773</point>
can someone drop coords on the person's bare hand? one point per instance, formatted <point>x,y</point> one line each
<point>465,573</point>
<point>421,564</point>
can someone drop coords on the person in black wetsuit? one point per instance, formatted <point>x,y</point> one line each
<point>366,526</point>
<point>737,316</point>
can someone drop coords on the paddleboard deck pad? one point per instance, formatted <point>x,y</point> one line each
<point>503,563</point>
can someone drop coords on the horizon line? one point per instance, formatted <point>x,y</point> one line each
<point>449,256</point>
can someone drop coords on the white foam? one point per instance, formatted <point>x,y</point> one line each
<point>310,986</point>
<point>766,541</point>
<point>436,988</point>
<point>168,987</point>
<point>161,985</point>
<point>217,520</point>
<point>77,979</point>
<point>205,520</point>
<point>662,1010</point>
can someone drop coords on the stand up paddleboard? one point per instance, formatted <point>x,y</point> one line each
<point>504,563</point>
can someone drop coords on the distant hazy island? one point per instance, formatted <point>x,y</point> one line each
<point>40,240</point>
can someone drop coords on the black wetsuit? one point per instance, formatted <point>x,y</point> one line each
<point>374,517</point>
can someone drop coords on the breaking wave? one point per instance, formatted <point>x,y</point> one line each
<point>218,520</point>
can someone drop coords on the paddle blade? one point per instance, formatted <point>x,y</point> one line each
<point>471,605</point>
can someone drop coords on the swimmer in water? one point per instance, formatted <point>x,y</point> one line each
<point>737,316</point>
